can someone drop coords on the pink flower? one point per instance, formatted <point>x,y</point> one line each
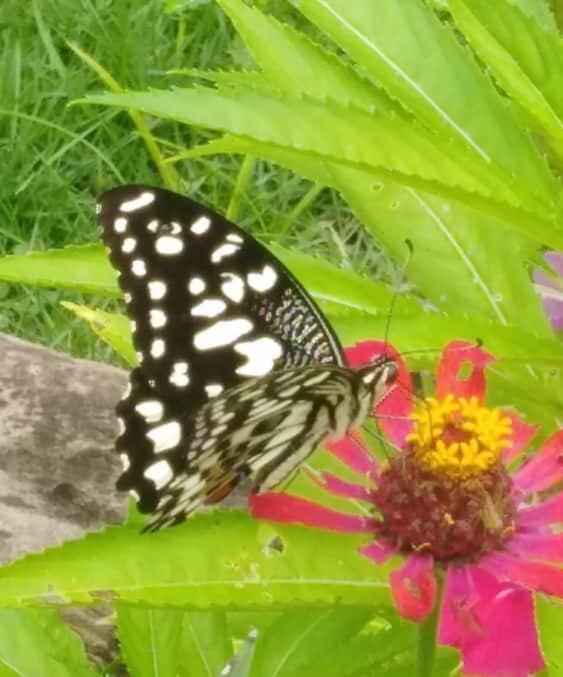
<point>447,501</point>
<point>551,289</point>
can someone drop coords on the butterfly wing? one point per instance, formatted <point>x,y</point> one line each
<point>266,429</point>
<point>210,308</point>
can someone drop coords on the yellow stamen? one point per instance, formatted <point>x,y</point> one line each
<point>458,437</point>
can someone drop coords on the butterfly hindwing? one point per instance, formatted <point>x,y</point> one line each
<point>210,308</point>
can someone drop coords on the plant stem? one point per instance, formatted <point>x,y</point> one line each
<point>243,178</point>
<point>309,197</point>
<point>427,632</point>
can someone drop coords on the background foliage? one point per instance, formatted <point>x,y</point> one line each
<point>359,125</point>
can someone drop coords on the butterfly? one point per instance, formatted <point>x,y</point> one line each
<point>239,373</point>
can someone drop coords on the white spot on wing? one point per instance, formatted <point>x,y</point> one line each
<point>143,200</point>
<point>222,333</point>
<point>133,326</point>
<point>157,290</point>
<point>165,436</point>
<point>139,268</point>
<point>233,237</point>
<point>157,318</point>
<point>135,495</point>
<point>209,308</point>
<point>233,287</point>
<point>201,225</point>
<point>179,376</point>
<point>264,280</point>
<point>153,225</point>
<point>160,473</point>
<point>150,410</point>
<point>127,297</point>
<point>213,389</point>
<point>128,245</point>
<point>120,224</point>
<point>125,462</point>
<point>120,424</point>
<point>169,245</point>
<point>226,249</point>
<point>140,357</point>
<point>261,355</point>
<point>158,348</point>
<point>98,208</point>
<point>196,285</point>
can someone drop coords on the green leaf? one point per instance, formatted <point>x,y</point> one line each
<point>293,63</point>
<point>295,642</point>
<point>527,375</point>
<point>170,642</point>
<point>445,89</point>
<point>218,560</point>
<point>37,642</point>
<point>205,648</point>
<point>549,612</point>
<point>525,59</point>
<point>80,268</point>
<point>456,249</point>
<point>112,328</point>
<point>383,144</point>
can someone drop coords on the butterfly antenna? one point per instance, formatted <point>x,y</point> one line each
<point>393,301</point>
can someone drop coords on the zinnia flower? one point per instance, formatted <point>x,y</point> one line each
<point>449,502</point>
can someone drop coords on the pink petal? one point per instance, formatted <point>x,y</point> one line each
<point>531,575</point>
<point>337,486</point>
<point>394,410</point>
<point>379,552</point>
<point>542,514</point>
<point>351,451</point>
<point>522,433</point>
<point>491,623</point>
<point>456,355</point>
<point>555,260</point>
<point>542,546</point>
<point>413,587</point>
<point>544,469</point>
<point>287,509</point>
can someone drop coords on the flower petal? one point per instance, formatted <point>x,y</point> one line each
<point>378,551</point>
<point>413,586</point>
<point>491,623</point>
<point>532,575</point>
<point>522,433</point>
<point>351,451</point>
<point>542,514</point>
<point>287,509</point>
<point>555,260</point>
<point>544,469</point>
<point>456,355</point>
<point>394,409</point>
<point>538,546</point>
<point>337,486</point>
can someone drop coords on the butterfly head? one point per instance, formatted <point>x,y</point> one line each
<point>379,376</point>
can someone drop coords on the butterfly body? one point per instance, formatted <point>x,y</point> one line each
<point>239,372</point>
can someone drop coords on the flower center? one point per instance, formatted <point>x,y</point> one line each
<point>449,493</point>
<point>457,437</point>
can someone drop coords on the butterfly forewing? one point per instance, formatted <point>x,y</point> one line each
<point>210,308</point>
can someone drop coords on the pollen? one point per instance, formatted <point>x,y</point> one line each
<point>458,438</point>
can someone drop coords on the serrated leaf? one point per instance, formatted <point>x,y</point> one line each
<point>382,144</point>
<point>37,642</point>
<point>456,249</point>
<point>445,89</point>
<point>221,560</point>
<point>79,268</point>
<point>292,62</point>
<point>525,59</point>
<point>112,328</point>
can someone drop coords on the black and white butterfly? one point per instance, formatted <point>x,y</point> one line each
<point>239,372</point>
